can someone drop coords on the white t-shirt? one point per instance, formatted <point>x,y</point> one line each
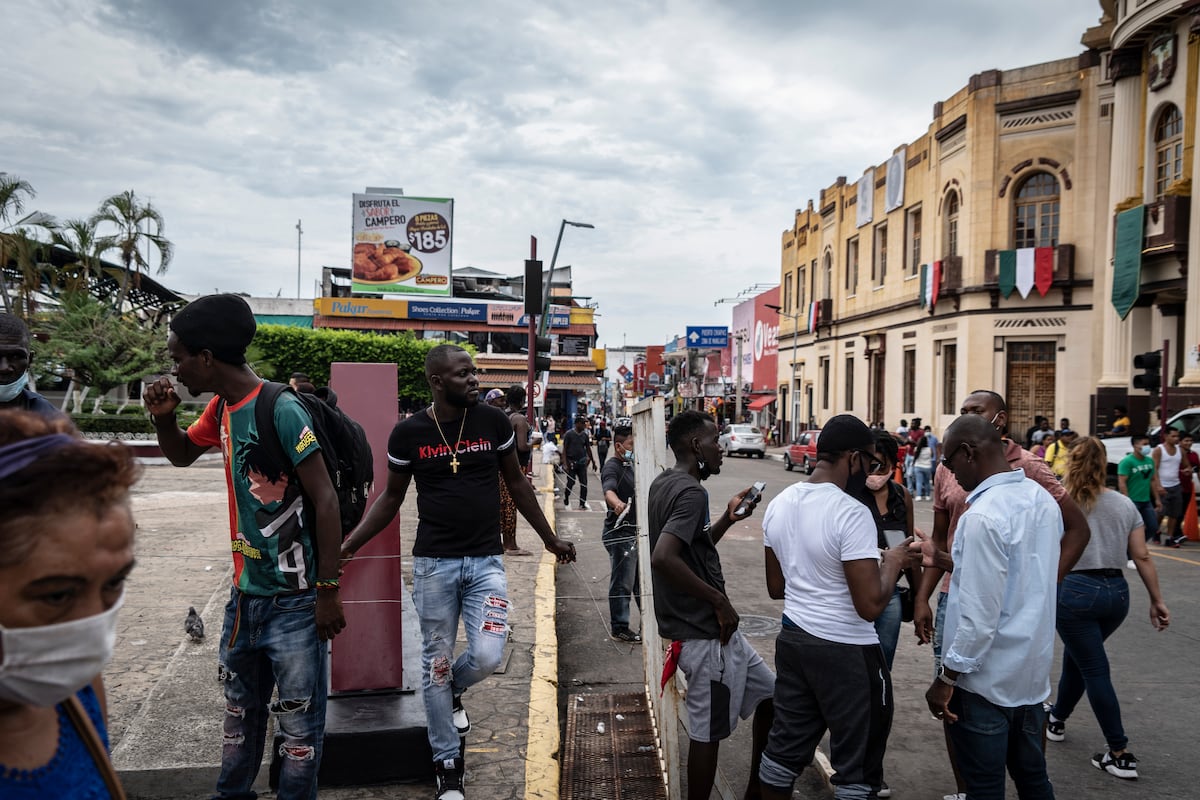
<point>813,528</point>
<point>549,452</point>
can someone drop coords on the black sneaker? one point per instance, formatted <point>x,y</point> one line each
<point>1056,729</point>
<point>462,723</point>
<point>450,779</point>
<point>626,635</point>
<point>1123,766</point>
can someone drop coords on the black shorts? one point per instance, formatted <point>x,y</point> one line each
<point>1172,502</point>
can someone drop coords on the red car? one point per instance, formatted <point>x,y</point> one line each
<point>803,451</point>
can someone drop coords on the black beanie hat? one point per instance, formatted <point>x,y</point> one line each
<point>222,324</point>
<point>845,432</point>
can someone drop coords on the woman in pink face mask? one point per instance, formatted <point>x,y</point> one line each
<point>892,507</point>
<point>66,548</point>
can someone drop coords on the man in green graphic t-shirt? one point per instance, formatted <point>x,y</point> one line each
<point>284,604</point>
<point>1137,481</point>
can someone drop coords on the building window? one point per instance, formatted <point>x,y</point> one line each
<point>824,366</point>
<point>827,283</point>
<point>879,262</point>
<point>949,378</point>
<point>787,293</point>
<point>852,265</point>
<point>951,217</point>
<point>1036,222</point>
<point>910,380</point>
<point>802,290</point>
<point>912,251</point>
<point>1168,150</point>
<point>849,381</point>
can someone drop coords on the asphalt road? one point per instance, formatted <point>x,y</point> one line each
<point>1155,674</point>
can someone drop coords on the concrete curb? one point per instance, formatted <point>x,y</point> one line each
<point>542,738</point>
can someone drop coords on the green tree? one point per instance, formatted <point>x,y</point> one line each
<point>101,349</point>
<point>133,224</point>
<point>18,247</point>
<point>79,236</point>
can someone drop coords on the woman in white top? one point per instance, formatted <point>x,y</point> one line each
<point>1093,601</point>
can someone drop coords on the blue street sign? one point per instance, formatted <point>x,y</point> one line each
<point>698,336</point>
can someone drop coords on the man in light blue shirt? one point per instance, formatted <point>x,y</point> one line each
<point>999,629</point>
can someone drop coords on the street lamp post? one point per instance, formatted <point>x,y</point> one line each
<point>792,390</point>
<point>544,323</point>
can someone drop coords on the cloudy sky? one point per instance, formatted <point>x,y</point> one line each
<point>686,132</point>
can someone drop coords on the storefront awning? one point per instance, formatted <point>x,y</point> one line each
<point>759,403</point>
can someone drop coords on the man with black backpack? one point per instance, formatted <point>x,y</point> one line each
<point>284,605</point>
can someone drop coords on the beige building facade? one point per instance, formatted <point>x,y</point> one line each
<point>1152,49</point>
<point>1015,160</point>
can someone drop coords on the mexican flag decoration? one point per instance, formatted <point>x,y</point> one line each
<point>812,316</point>
<point>931,281</point>
<point>1025,269</point>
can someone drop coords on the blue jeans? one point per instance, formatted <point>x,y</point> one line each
<point>910,475</point>
<point>624,581</point>
<point>988,737</point>
<point>1149,518</point>
<point>1090,608</point>
<point>924,481</point>
<point>444,589</point>
<point>270,642</point>
<point>939,622</point>
<point>887,628</point>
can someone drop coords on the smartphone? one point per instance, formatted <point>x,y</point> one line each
<point>751,497</point>
<point>894,538</point>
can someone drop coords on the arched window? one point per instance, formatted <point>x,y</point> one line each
<point>827,282</point>
<point>1036,221</point>
<point>950,213</point>
<point>1168,150</point>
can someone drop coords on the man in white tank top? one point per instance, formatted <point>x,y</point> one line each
<point>1167,457</point>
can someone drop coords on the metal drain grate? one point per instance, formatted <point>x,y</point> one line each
<point>619,764</point>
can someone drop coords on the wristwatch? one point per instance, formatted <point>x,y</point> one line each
<point>944,678</point>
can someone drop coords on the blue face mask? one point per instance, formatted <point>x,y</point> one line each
<point>628,456</point>
<point>1146,450</point>
<point>9,391</point>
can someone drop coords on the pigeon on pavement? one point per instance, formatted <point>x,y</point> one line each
<point>193,625</point>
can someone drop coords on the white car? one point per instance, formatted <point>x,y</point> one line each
<point>1186,421</point>
<point>744,439</point>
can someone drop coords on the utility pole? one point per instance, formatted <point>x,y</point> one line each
<point>299,233</point>
<point>737,407</point>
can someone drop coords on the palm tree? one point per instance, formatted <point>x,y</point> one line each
<point>79,236</point>
<point>13,193</point>
<point>124,213</point>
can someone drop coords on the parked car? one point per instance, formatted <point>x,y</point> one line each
<point>1119,446</point>
<point>802,452</point>
<point>744,439</point>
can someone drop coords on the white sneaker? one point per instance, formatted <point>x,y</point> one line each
<point>1130,565</point>
<point>955,796</point>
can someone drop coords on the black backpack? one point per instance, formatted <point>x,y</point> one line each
<point>344,446</point>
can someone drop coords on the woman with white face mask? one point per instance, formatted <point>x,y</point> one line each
<point>66,548</point>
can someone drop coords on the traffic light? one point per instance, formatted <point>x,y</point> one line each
<point>1151,378</point>
<point>533,286</point>
<point>541,356</point>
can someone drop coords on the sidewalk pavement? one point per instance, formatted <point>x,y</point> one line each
<point>164,703</point>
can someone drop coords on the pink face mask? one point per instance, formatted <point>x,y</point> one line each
<point>877,482</point>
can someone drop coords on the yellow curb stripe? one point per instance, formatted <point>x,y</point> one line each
<point>542,744</point>
<point>1175,558</point>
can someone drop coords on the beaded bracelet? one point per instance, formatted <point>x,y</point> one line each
<point>328,585</point>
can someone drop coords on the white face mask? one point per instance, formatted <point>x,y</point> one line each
<point>9,391</point>
<point>45,665</point>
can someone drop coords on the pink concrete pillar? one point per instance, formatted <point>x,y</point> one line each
<point>367,654</point>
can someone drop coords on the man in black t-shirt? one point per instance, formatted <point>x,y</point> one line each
<point>454,450</point>
<point>726,678</point>
<point>577,452</point>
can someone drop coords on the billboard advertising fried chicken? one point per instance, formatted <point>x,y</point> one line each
<point>402,245</point>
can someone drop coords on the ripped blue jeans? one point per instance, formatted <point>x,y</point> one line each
<point>444,589</point>
<point>270,641</point>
